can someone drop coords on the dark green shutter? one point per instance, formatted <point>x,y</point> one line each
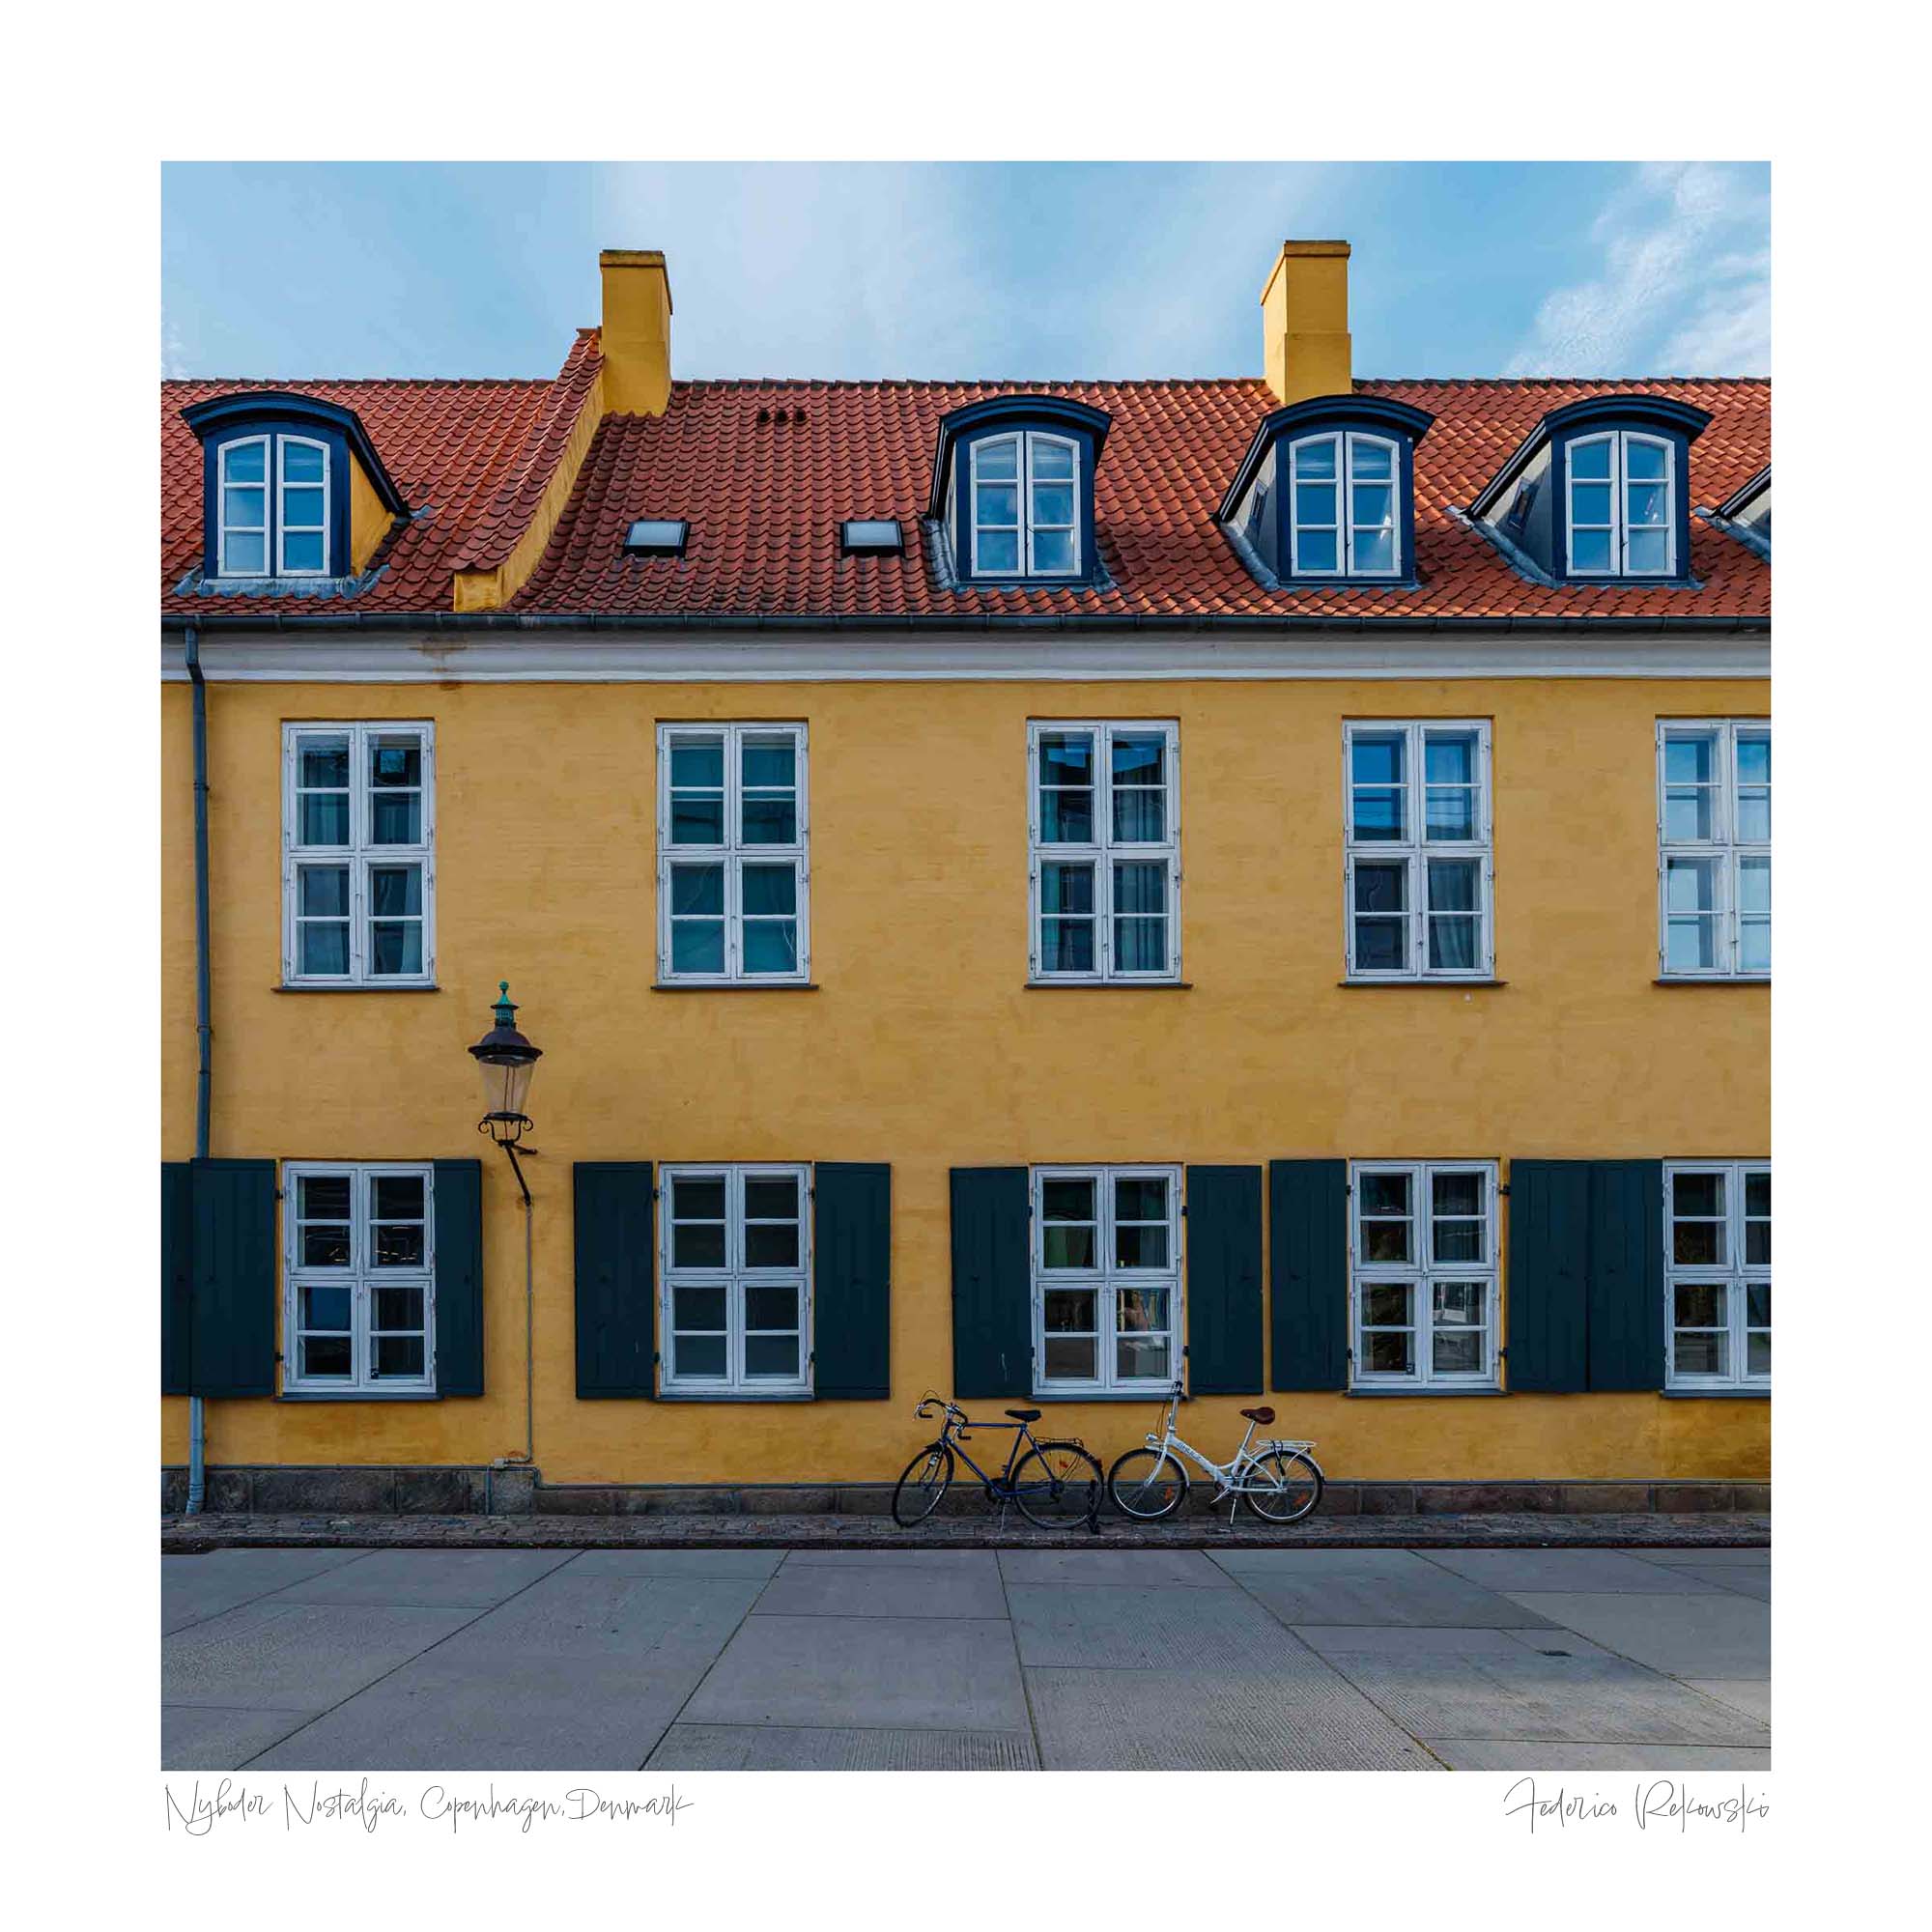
<point>616,1279</point>
<point>992,1292</point>
<point>1308,1272</point>
<point>1224,1280</point>
<point>1626,1292</point>
<point>459,1277</point>
<point>1548,1274</point>
<point>233,1326</point>
<point>177,1275</point>
<point>851,1280</point>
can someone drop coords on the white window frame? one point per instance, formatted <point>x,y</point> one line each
<point>1415,849</point>
<point>1734,1274</point>
<point>1107,1281</point>
<point>734,1277</point>
<point>1619,440</point>
<point>734,854</point>
<point>282,486</point>
<point>1345,528</point>
<point>1104,849</point>
<point>223,486</point>
<point>361,855</point>
<point>1420,1274</point>
<point>1727,850</point>
<point>1029,441</point>
<point>361,1277</point>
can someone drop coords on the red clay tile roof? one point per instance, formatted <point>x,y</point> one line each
<point>765,498</point>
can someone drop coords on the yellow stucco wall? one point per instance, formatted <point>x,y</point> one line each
<point>924,1049</point>
<point>369,518</point>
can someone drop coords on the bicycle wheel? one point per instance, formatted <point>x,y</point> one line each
<point>1058,1485</point>
<point>1283,1486</point>
<point>927,1477</point>
<point>1147,1484</point>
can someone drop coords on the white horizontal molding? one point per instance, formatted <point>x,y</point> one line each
<point>563,656</point>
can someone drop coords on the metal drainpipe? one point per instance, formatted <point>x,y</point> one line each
<point>197,1414</point>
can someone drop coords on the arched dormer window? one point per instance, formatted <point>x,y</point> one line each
<point>293,492</point>
<point>1013,490</point>
<point>1326,493</point>
<point>1597,492</point>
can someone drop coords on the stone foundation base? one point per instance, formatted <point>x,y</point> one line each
<point>471,1491</point>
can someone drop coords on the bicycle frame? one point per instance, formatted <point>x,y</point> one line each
<point>1228,1477</point>
<point>1000,1487</point>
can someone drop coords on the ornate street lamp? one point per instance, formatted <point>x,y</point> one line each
<point>507,1060</point>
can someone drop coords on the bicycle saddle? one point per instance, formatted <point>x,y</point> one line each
<point>1024,1414</point>
<point>1263,1416</point>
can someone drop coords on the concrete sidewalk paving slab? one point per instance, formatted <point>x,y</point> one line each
<point>1369,1586</point>
<point>1409,1639</point>
<point>221,1737</point>
<point>430,1578</point>
<point>525,1713</point>
<point>1731,1576</point>
<point>1493,1754</point>
<point>829,1590</point>
<point>194,1588</point>
<point>614,1618</point>
<point>1598,1570</point>
<point>936,1562</point>
<point>1546,1699</point>
<point>1703,1635</point>
<point>802,1748</point>
<point>1121,1626</point>
<point>1310,1720</point>
<point>934,1673</point>
<point>737,1563</point>
<point>274,1654</point>
<point>1757,1557</point>
<point>1749,1694</point>
<point>1186,1569</point>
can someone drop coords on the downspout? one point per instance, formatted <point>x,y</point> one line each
<point>197,1414</point>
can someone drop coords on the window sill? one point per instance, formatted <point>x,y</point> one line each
<point>1108,987</point>
<point>1438,1394</point>
<point>734,986</point>
<point>360,1395</point>
<point>1163,1394</point>
<point>360,986</point>
<point>1712,979</point>
<point>1434,981</point>
<point>1716,1395</point>
<point>735,1395</point>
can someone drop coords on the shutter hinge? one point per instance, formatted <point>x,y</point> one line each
<point>1503,1191</point>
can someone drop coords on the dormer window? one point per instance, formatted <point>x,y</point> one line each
<point>1325,494</point>
<point>296,498</point>
<point>1622,519</point>
<point>1013,490</point>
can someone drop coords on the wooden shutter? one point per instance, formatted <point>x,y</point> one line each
<point>1548,1274</point>
<point>1308,1273</point>
<point>232,1328</point>
<point>459,1276</point>
<point>1625,1275</point>
<point>851,1280</point>
<point>1224,1280</point>
<point>616,1279</point>
<point>992,1292</point>
<point>177,1276</point>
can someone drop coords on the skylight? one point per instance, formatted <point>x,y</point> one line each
<point>871,536</point>
<point>657,536</point>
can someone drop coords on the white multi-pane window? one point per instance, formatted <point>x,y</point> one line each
<point>1024,505</point>
<point>732,866</point>
<point>736,1314</point>
<point>1717,1227</point>
<point>1106,1279</point>
<point>242,516</point>
<point>358,871</point>
<point>301,506</point>
<point>1622,507</point>
<point>1343,516</point>
<point>1105,870</point>
<point>1419,877</point>
<point>1714,857</point>
<point>271,509</point>
<point>1422,1260</point>
<point>360,1242</point>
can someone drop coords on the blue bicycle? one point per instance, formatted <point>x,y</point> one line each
<point>1054,1485</point>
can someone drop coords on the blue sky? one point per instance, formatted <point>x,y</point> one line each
<point>1046,271</point>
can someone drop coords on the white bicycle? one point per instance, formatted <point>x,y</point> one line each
<point>1278,1480</point>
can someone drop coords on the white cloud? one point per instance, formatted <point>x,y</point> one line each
<point>1684,288</point>
<point>174,351</point>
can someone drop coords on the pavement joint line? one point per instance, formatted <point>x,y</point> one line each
<point>195,1623</point>
<point>1610,1649</point>
<point>704,1676</point>
<point>1019,1664</point>
<point>556,1570</point>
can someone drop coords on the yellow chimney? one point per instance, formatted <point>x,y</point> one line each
<point>636,330</point>
<point>1305,322</point>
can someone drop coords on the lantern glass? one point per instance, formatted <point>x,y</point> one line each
<point>506,1085</point>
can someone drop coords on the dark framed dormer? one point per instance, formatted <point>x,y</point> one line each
<point>1325,494</point>
<point>1599,492</point>
<point>294,494</point>
<point>1012,486</point>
